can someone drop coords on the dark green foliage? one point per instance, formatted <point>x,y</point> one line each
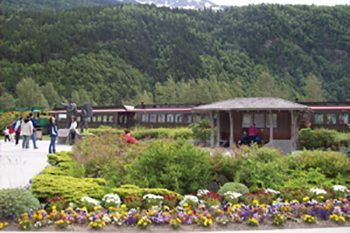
<point>330,163</point>
<point>126,53</point>
<point>323,139</point>
<point>177,166</point>
<point>201,130</point>
<point>233,187</point>
<point>14,202</point>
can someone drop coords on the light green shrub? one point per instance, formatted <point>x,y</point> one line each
<point>323,139</point>
<point>72,189</point>
<point>177,166</point>
<point>14,202</point>
<point>233,187</point>
<point>201,130</point>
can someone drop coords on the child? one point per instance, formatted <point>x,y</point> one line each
<point>6,134</point>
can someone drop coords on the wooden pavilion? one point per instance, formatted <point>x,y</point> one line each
<point>276,120</point>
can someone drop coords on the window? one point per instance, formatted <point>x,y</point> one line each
<point>178,118</point>
<point>110,119</point>
<point>247,120</point>
<point>331,119</point>
<point>318,118</point>
<point>153,118</point>
<point>99,118</point>
<point>170,118</point>
<point>105,118</point>
<point>161,118</point>
<point>343,118</point>
<point>274,120</point>
<point>259,120</point>
<point>93,119</point>
<point>62,116</point>
<point>78,119</point>
<point>187,118</point>
<point>144,117</point>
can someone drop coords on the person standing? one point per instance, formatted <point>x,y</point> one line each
<point>17,129</point>
<point>6,134</point>
<point>252,133</point>
<point>73,130</point>
<point>26,132</point>
<point>35,125</point>
<point>53,135</point>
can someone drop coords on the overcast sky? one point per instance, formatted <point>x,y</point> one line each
<point>308,2</point>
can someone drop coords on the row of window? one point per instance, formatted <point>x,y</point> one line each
<point>168,118</point>
<point>261,120</point>
<point>331,118</point>
<point>98,118</point>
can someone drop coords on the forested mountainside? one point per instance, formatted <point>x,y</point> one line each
<point>132,53</point>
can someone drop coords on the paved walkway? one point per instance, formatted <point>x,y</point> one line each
<point>18,166</point>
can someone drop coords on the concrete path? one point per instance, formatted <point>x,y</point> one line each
<point>18,166</point>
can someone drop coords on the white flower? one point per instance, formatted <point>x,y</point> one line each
<point>90,201</point>
<point>340,188</point>
<point>106,218</point>
<point>232,195</point>
<point>318,191</point>
<point>111,198</point>
<point>191,198</point>
<point>202,192</point>
<point>152,196</point>
<point>268,190</point>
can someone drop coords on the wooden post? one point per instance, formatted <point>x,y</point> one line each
<point>292,129</point>
<point>218,125</point>
<point>271,127</point>
<point>212,138</point>
<point>231,129</point>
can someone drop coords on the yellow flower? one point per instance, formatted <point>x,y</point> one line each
<point>255,202</point>
<point>306,198</point>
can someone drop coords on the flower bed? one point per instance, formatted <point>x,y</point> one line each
<point>204,210</point>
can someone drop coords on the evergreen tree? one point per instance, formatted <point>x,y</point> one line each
<point>312,89</point>
<point>51,95</point>
<point>29,94</point>
<point>7,101</point>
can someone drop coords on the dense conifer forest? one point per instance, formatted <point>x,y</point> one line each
<point>131,53</point>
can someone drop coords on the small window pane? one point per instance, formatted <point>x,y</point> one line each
<point>99,118</point>
<point>105,118</point>
<point>110,119</point>
<point>161,118</point>
<point>274,120</point>
<point>62,116</point>
<point>259,120</point>
<point>247,120</point>
<point>144,117</point>
<point>318,118</point>
<point>93,119</point>
<point>153,118</point>
<point>178,118</point>
<point>170,118</point>
<point>343,118</point>
<point>331,119</point>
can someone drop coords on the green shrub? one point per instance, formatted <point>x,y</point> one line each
<point>233,187</point>
<point>261,168</point>
<point>329,163</point>
<point>65,162</point>
<point>148,133</point>
<point>14,202</point>
<point>106,156</point>
<point>177,166</point>
<point>224,167</point>
<point>201,130</point>
<point>72,189</point>
<point>322,139</point>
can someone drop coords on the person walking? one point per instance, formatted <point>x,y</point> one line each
<point>26,132</point>
<point>53,135</point>
<point>73,130</point>
<point>35,125</point>
<point>17,129</point>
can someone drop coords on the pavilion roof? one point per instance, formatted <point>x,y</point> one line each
<point>252,103</point>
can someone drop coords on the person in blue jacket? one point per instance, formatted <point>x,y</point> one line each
<point>53,135</point>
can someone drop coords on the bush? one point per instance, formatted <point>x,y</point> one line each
<point>233,187</point>
<point>177,166</point>
<point>201,130</point>
<point>330,163</point>
<point>261,168</point>
<point>224,167</point>
<point>322,139</point>
<point>147,133</point>
<point>106,156</point>
<point>63,161</point>
<point>14,202</point>
<point>46,186</point>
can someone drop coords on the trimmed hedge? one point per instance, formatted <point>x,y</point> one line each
<point>148,133</point>
<point>323,139</point>
<point>126,190</point>
<point>72,189</point>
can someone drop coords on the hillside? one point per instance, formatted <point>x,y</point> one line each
<point>130,53</point>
